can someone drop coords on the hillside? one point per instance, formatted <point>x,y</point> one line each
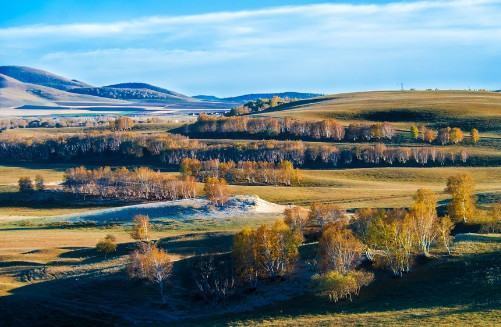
<point>40,77</point>
<point>461,108</point>
<point>14,93</point>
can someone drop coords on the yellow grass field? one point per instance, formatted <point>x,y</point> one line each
<point>458,104</point>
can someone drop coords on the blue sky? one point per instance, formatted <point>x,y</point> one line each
<point>233,47</point>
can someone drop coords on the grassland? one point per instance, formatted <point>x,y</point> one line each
<point>459,108</point>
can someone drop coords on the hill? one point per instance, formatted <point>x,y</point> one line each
<point>464,109</point>
<point>251,97</point>
<point>40,77</point>
<point>14,93</point>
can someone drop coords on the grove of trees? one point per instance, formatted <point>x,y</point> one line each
<point>140,183</point>
<point>242,172</point>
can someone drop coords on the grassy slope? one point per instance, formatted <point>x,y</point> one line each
<point>430,107</point>
<point>462,290</point>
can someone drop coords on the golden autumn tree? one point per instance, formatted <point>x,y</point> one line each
<point>216,190</point>
<point>141,228</point>
<point>107,245</point>
<point>462,189</point>
<point>475,137</point>
<point>244,256</point>
<point>339,249</point>
<point>424,219</point>
<point>296,217</point>
<point>152,264</point>
<point>444,229</point>
<point>456,135</point>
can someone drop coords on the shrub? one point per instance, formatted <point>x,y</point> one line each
<point>25,184</point>
<point>338,286</point>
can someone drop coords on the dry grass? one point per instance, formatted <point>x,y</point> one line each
<point>454,103</point>
<point>370,187</point>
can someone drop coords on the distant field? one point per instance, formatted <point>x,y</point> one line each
<point>458,108</point>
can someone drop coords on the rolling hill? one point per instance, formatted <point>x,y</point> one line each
<point>40,77</point>
<point>464,109</point>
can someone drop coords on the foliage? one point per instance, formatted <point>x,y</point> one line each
<point>423,215</point>
<point>216,190</point>
<point>25,184</point>
<point>152,264</point>
<point>338,286</point>
<point>122,123</point>
<point>122,183</point>
<point>296,217</point>
<point>107,245</point>
<point>414,132</point>
<point>475,137</point>
<point>242,172</point>
<point>444,229</point>
<point>323,213</point>
<point>462,189</point>
<point>267,252</point>
<point>141,228</point>
<point>339,249</point>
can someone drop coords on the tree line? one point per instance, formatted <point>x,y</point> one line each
<point>242,172</point>
<point>443,136</point>
<point>260,105</point>
<point>289,128</point>
<point>170,149</point>
<point>140,183</point>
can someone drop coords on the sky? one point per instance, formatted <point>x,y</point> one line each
<point>226,48</point>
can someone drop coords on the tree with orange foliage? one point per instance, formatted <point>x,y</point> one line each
<point>324,213</point>
<point>456,135</point>
<point>296,217</point>
<point>475,137</point>
<point>339,249</point>
<point>152,264</point>
<point>141,228</point>
<point>216,190</point>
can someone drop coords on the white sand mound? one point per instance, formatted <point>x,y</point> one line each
<point>245,206</point>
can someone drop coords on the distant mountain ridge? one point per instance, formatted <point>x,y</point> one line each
<point>255,96</point>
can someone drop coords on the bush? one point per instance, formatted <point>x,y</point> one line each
<point>338,286</point>
<point>25,184</point>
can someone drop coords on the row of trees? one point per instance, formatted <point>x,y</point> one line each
<point>168,149</point>
<point>140,183</point>
<point>443,136</point>
<point>242,172</point>
<point>289,128</point>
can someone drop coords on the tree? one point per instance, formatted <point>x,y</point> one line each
<point>122,124</point>
<point>424,219</point>
<point>429,135</point>
<point>25,184</point>
<point>338,286</point>
<point>216,190</point>
<point>475,137</point>
<point>141,228</point>
<point>339,249</point>
<point>152,264</point>
<point>296,217</point>
<point>107,245</point>
<point>324,213</point>
<point>267,252</point>
<point>456,135</point>
<point>444,228</point>
<point>39,183</point>
<point>414,132</point>
<point>462,189</point>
